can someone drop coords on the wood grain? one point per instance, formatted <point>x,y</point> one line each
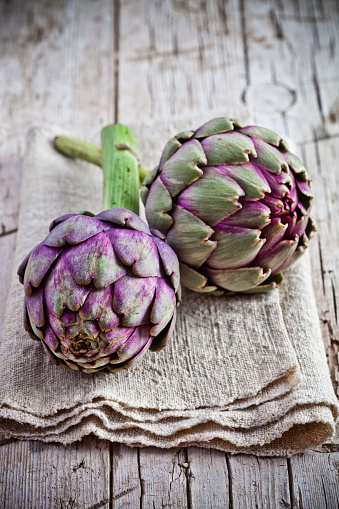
<point>315,480</point>
<point>259,482</point>
<point>126,487</point>
<point>326,65</point>
<point>56,59</point>
<point>82,63</point>
<point>208,478</point>
<point>184,54</point>
<point>36,475</point>
<point>284,81</point>
<point>10,185</point>
<point>163,478</point>
<point>320,157</point>
<point>7,246</point>
<point>10,188</point>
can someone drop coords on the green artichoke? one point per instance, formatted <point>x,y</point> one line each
<point>233,203</point>
<point>100,291</point>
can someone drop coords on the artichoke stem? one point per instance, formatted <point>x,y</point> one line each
<point>121,169</point>
<point>89,152</point>
<point>79,149</point>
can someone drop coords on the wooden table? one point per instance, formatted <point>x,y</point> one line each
<point>82,64</point>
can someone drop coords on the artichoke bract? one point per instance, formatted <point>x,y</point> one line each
<point>100,291</point>
<point>233,203</point>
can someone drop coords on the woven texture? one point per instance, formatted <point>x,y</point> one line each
<point>241,374</point>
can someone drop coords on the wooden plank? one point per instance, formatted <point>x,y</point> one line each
<point>56,62</point>
<point>10,179</point>
<point>315,480</point>
<point>326,65</point>
<point>267,98</point>
<point>126,485</point>
<point>282,82</point>
<point>280,87</point>
<point>207,474</point>
<point>320,158</point>
<point>177,57</point>
<point>7,246</point>
<point>259,482</point>
<point>10,187</point>
<point>163,478</point>
<point>289,47</point>
<point>52,476</point>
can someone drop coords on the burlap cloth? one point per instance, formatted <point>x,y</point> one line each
<point>241,374</point>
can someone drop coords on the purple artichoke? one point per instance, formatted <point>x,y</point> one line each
<point>100,291</point>
<point>233,203</point>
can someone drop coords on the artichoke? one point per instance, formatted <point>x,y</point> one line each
<point>100,291</point>
<point>233,203</point>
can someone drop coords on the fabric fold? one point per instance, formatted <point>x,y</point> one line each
<point>241,374</point>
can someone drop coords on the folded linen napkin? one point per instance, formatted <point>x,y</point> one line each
<point>241,373</point>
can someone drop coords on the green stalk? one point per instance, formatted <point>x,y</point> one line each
<point>78,149</point>
<point>120,166</point>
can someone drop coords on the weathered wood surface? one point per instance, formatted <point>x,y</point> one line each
<point>56,66</point>
<point>320,157</point>
<point>37,475</point>
<point>322,492</point>
<point>208,480</point>
<point>259,482</point>
<point>82,64</point>
<point>127,489</point>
